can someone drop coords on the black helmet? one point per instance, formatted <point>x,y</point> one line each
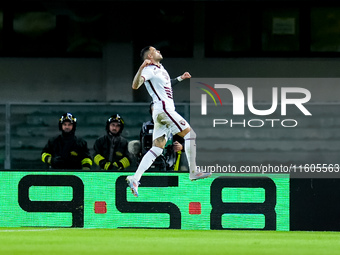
<point>115,118</point>
<point>68,117</point>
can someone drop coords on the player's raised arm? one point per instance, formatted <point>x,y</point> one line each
<point>138,80</point>
<point>184,76</point>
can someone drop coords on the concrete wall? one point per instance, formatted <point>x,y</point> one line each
<point>109,78</point>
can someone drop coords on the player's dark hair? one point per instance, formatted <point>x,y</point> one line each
<point>143,51</point>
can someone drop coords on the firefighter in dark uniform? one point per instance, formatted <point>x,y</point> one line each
<point>66,151</point>
<point>111,150</point>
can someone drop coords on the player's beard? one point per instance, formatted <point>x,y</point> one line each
<point>158,58</point>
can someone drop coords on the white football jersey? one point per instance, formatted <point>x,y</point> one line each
<point>158,84</point>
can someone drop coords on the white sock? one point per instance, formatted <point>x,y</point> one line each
<point>190,149</point>
<point>147,161</point>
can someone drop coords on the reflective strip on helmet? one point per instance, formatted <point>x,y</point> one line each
<point>98,158</point>
<point>125,162</point>
<point>68,116</point>
<point>116,118</point>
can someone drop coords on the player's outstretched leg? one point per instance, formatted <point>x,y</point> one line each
<point>147,160</point>
<point>199,175</point>
<point>190,151</point>
<point>133,184</point>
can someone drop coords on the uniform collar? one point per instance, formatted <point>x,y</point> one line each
<point>159,66</point>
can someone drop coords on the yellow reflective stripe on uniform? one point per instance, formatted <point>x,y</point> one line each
<point>86,161</point>
<point>74,153</point>
<point>98,158</point>
<point>125,162</point>
<point>176,166</point>
<point>107,165</point>
<point>44,155</point>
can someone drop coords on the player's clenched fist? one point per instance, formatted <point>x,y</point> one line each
<point>186,75</point>
<point>146,63</point>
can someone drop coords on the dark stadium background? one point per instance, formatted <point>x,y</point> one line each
<point>80,56</point>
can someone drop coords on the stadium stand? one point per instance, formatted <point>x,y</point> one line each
<point>31,125</point>
<point>315,139</point>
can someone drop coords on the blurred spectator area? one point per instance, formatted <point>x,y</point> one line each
<point>26,128</point>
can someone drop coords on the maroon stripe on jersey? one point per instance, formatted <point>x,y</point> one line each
<point>153,88</point>
<point>179,127</point>
<point>169,92</point>
<point>156,65</point>
<point>153,153</point>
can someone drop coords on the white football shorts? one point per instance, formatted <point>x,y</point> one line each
<point>167,122</point>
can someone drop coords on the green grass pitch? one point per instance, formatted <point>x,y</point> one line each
<point>65,241</point>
